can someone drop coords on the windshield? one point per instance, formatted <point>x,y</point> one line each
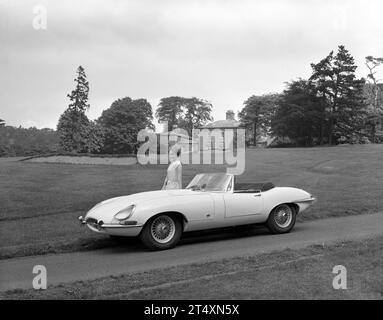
<point>209,182</point>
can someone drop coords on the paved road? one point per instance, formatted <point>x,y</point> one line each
<point>17,273</point>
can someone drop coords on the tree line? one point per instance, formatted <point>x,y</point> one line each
<point>115,131</point>
<point>332,106</point>
<point>18,141</point>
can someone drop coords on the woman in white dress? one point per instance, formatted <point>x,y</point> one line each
<point>173,178</point>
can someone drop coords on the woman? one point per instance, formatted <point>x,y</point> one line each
<point>173,178</point>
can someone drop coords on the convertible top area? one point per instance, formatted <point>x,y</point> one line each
<point>253,187</point>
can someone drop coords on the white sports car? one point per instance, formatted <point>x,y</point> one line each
<point>211,200</point>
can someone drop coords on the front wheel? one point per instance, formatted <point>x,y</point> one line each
<point>282,219</point>
<point>161,232</point>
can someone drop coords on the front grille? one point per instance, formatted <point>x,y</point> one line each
<point>92,222</point>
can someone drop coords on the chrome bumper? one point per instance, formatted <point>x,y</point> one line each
<point>99,225</point>
<point>311,200</point>
<point>81,220</point>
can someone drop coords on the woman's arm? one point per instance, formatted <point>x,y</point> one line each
<point>165,182</point>
<point>179,175</point>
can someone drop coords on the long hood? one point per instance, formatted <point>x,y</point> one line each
<point>108,208</point>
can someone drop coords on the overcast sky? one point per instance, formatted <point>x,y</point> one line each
<point>221,51</point>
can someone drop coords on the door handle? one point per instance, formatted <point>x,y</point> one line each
<point>257,195</point>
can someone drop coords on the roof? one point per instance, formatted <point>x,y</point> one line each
<point>222,124</point>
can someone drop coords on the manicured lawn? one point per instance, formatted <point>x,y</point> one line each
<point>40,202</point>
<point>291,274</point>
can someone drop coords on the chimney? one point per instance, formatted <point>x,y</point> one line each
<point>163,127</point>
<point>230,115</point>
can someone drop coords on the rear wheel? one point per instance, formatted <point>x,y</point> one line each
<point>161,232</point>
<point>282,219</point>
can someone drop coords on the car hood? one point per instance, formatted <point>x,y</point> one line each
<point>110,207</point>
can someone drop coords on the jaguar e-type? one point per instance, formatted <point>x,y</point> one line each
<point>210,201</point>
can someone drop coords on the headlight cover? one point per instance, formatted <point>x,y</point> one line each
<point>125,213</point>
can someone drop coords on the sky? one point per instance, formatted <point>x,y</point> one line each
<point>222,51</point>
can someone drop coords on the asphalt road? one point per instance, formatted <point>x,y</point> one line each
<point>17,273</point>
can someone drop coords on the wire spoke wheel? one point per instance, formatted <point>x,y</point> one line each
<point>283,216</point>
<point>163,229</point>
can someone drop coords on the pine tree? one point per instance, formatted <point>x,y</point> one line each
<point>297,114</point>
<point>77,133</point>
<point>79,96</point>
<point>336,83</point>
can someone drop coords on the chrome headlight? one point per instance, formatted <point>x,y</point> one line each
<point>125,213</point>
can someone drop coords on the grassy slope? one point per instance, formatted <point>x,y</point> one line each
<point>40,203</point>
<point>291,274</point>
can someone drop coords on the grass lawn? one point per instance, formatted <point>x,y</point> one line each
<point>291,274</point>
<point>40,202</point>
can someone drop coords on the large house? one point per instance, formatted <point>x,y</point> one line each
<point>217,129</point>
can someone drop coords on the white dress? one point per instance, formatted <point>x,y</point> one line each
<point>174,176</point>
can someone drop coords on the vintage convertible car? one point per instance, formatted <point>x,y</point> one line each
<point>211,200</point>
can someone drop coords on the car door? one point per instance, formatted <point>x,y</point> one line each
<point>242,204</point>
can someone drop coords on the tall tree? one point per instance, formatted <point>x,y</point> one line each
<point>79,96</point>
<point>372,64</point>
<point>298,115</point>
<point>336,83</point>
<point>76,132</point>
<point>257,113</point>
<point>122,122</point>
<point>374,92</point>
